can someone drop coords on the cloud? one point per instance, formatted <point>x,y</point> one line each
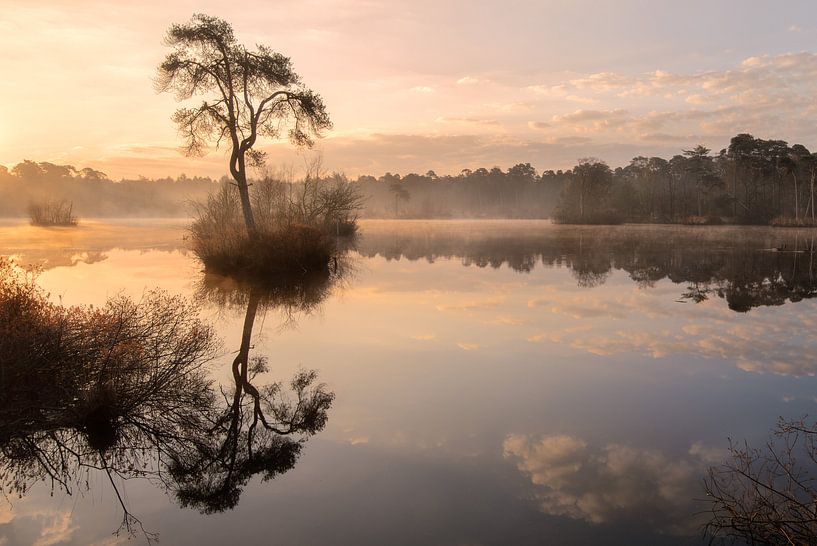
<point>760,343</point>
<point>471,305</point>
<point>595,120</point>
<point>614,482</point>
<point>402,153</point>
<point>467,80</point>
<point>763,94</point>
<point>538,124</point>
<point>59,529</point>
<point>477,121</point>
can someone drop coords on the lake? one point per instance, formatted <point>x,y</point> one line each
<point>496,382</point>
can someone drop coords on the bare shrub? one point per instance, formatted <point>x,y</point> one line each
<point>52,213</point>
<point>767,495</point>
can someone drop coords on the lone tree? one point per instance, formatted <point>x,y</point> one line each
<point>248,93</point>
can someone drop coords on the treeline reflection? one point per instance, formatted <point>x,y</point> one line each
<point>747,267</point>
<point>124,390</point>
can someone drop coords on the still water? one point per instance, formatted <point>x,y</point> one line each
<point>496,382</point>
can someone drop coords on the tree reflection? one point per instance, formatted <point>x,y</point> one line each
<point>124,390</point>
<point>253,434</point>
<point>767,495</point>
<point>291,296</point>
<point>746,268</point>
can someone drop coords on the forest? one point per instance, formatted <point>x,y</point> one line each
<point>751,181</point>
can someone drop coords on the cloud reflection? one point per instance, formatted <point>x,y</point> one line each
<point>611,483</point>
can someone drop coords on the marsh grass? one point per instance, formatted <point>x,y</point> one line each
<point>52,213</point>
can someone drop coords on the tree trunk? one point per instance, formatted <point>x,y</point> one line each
<point>240,176</point>
<point>796,198</point>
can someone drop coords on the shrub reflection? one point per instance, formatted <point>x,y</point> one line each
<point>124,390</point>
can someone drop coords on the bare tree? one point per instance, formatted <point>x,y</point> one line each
<point>249,93</point>
<point>767,495</point>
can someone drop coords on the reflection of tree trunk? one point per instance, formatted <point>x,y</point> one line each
<point>796,253</point>
<point>240,374</point>
<point>240,364</point>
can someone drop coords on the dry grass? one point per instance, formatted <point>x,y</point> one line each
<point>52,213</point>
<point>788,221</point>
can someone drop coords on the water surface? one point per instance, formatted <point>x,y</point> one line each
<point>496,382</point>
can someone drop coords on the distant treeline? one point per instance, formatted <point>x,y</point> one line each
<point>752,181</point>
<point>92,193</point>
<point>516,193</point>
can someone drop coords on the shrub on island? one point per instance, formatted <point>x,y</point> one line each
<point>52,213</point>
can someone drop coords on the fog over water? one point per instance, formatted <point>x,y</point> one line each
<point>495,382</point>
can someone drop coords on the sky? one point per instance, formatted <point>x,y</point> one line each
<point>413,85</point>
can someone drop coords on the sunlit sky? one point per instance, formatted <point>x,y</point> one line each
<point>417,85</point>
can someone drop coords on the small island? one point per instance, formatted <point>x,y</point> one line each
<point>52,213</point>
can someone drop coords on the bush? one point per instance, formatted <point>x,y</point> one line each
<point>330,204</point>
<point>52,213</point>
<point>342,228</point>
<point>89,365</point>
